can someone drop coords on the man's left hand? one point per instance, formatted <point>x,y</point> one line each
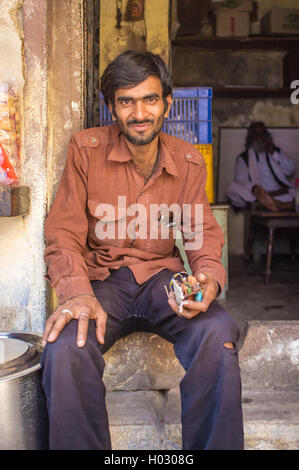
<point>192,308</point>
<point>269,145</point>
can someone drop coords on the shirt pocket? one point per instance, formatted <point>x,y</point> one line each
<point>107,222</point>
<point>132,227</point>
<point>162,230</point>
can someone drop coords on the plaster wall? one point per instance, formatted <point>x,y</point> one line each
<point>18,266</point>
<point>11,35</point>
<point>66,94</point>
<point>66,98</point>
<point>42,44</point>
<point>150,34</point>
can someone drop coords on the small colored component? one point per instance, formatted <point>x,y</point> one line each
<point>184,285</point>
<point>198,296</point>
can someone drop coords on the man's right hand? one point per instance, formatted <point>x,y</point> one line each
<point>264,198</point>
<point>82,308</point>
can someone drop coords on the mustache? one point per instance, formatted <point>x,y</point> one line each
<point>135,121</point>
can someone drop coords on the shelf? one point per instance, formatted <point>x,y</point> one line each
<point>251,93</point>
<point>284,43</point>
<point>244,92</point>
<point>14,200</point>
<point>251,42</point>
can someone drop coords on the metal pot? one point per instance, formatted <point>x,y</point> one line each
<point>23,412</point>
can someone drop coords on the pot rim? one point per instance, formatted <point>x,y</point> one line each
<point>18,335</point>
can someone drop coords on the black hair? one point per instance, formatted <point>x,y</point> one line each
<point>131,68</point>
<point>251,132</point>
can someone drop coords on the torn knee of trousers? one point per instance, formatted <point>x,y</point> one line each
<point>229,345</point>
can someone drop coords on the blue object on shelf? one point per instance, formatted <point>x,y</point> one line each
<point>190,116</point>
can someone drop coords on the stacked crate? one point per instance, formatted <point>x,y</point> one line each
<point>190,119</point>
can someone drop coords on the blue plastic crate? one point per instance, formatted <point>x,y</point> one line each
<point>105,115</point>
<point>190,116</point>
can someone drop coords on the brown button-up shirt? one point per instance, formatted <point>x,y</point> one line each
<point>90,230</point>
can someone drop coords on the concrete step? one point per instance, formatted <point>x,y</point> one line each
<point>269,360</point>
<point>151,420</point>
<point>143,420</point>
<point>271,419</point>
<point>143,401</point>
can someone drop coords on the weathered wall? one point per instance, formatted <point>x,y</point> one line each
<point>66,92</point>
<point>150,34</point>
<point>41,46</point>
<point>11,33</point>
<point>65,83</point>
<point>18,262</point>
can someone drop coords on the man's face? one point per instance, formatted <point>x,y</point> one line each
<point>140,111</point>
<point>260,139</point>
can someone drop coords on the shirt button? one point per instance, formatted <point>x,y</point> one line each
<point>189,155</point>
<point>93,141</point>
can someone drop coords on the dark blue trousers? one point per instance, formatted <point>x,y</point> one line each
<point>210,389</point>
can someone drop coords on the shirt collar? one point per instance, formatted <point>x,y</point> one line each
<point>120,153</point>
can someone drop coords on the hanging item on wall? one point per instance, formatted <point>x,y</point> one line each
<point>134,15</point>
<point>130,19</point>
<point>9,134</point>
<point>135,10</point>
<point>118,14</point>
<point>7,173</point>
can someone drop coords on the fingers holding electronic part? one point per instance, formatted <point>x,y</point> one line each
<point>185,294</point>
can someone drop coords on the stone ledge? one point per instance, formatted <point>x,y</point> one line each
<point>143,407</point>
<point>271,405</point>
<point>142,378</point>
<point>142,361</point>
<point>135,408</point>
<point>142,420</point>
<point>269,356</point>
<point>145,438</point>
<point>271,419</point>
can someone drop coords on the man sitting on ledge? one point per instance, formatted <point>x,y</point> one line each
<point>110,268</point>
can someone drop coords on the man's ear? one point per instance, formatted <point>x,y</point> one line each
<point>111,111</point>
<point>169,101</point>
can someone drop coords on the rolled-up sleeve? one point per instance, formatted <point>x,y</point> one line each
<point>66,229</point>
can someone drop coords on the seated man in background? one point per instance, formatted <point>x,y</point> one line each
<point>262,173</point>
